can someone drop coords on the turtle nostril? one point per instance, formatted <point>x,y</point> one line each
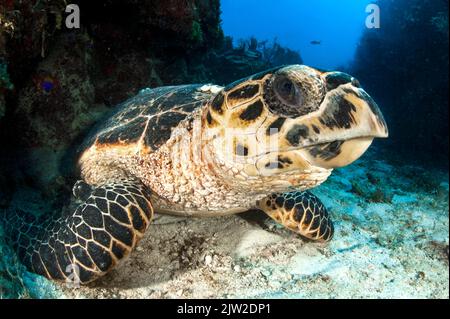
<point>356,83</point>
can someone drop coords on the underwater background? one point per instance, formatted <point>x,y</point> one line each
<point>390,207</point>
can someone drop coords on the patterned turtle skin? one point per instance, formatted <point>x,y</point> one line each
<point>204,150</point>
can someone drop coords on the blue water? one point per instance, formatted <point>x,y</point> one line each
<point>338,25</point>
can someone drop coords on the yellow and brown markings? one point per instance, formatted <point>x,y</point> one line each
<point>301,212</point>
<point>252,111</point>
<point>210,120</point>
<point>236,147</point>
<point>127,133</point>
<point>100,232</point>
<point>336,79</point>
<point>240,105</point>
<point>326,151</point>
<point>150,116</point>
<point>297,134</point>
<point>275,126</point>
<point>242,94</point>
<point>241,146</point>
<point>315,128</point>
<point>350,110</point>
<point>276,162</point>
<point>216,113</point>
<point>292,132</point>
<point>337,153</point>
<point>281,162</point>
<point>218,104</point>
<point>373,107</point>
<point>112,221</point>
<point>248,116</point>
<point>339,114</point>
<point>271,133</point>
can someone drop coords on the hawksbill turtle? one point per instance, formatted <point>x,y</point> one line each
<point>204,150</point>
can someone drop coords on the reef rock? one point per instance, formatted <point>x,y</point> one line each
<point>55,82</point>
<point>404,64</point>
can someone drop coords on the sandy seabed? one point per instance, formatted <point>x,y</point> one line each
<point>391,241</point>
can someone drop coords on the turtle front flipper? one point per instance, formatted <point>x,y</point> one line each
<point>89,242</point>
<point>301,212</point>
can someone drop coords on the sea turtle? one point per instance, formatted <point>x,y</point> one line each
<point>205,150</point>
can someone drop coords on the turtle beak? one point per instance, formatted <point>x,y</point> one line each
<point>344,128</point>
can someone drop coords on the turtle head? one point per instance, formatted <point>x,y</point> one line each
<point>293,120</point>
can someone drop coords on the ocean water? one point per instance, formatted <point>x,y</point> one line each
<point>65,70</point>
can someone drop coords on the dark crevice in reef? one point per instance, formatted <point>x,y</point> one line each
<point>404,66</point>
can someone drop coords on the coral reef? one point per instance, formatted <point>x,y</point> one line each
<point>248,56</point>
<point>16,282</point>
<point>11,273</point>
<point>67,70</point>
<point>410,55</point>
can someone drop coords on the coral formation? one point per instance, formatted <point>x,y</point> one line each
<point>16,282</point>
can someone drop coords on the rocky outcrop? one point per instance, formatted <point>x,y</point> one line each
<point>55,82</point>
<point>404,65</point>
<point>52,76</point>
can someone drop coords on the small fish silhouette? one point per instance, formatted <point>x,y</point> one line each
<point>315,42</point>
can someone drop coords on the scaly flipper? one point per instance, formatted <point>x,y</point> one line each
<point>301,212</point>
<point>89,242</point>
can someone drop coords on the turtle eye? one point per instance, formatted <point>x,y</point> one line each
<point>293,94</point>
<point>288,92</point>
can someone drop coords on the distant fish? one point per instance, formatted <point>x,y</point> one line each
<point>315,42</point>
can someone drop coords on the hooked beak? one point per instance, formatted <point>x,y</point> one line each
<point>346,127</point>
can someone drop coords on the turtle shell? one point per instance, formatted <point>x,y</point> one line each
<point>149,116</point>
